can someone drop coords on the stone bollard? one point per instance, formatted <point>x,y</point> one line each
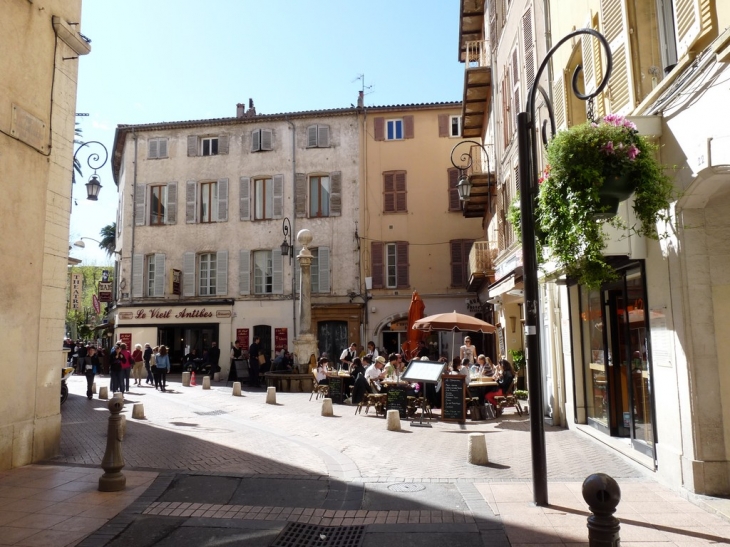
<point>93,387</point>
<point>327,409</point>
<point>186,379</point>
<point>119,395</point>
<point>123,427</point>
<point>216,376</point>
<point>103,392</point>
<point>602,494</point>
<point>477,450</point>
<point>113,480</point>
<point>271,395</point>
<point>206,382</point>
<point>237,389</point>
<point>393,420</point>
<point>138,411</point>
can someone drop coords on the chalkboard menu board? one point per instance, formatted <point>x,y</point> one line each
<point>397,400</point>
<point>335,389</point>
<point>453,403</point>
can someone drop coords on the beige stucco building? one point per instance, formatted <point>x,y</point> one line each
<point>640,363</point>
<point>39,68</point>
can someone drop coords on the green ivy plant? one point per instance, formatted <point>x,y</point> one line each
<point>518,358</point>
<point>579,161</point>
<point>521,394</point>
<point>514,216</point>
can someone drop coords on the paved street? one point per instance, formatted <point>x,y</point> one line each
<point>216,469</point>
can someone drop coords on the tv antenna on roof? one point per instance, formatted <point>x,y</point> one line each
<point>361,77</point>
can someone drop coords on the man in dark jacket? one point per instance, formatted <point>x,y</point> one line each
<point>146,357</point>
<point>253,362</point>
<point>214,356</point>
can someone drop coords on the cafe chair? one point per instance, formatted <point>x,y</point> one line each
<point>320,390</point>
<point>508,400</point>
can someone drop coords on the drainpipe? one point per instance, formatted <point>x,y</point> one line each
<point>548,44</point>
<point>293,221</point>
<point>134,219</point>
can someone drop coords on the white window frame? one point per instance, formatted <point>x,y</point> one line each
<point>323,204</point>
<point>263,280</point>
<point>263,198</point>
<point>211,142</point>
<point>457,119</point>
<point>211,215</point>
<point>150,271</point>
<point>158,155</point>
<point>390,262</point>
<point>207,277</point>
<point>391,127</point>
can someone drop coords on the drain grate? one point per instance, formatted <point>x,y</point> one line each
<point>406,487</point>
<point>297,534</point>
<point>211,413</point>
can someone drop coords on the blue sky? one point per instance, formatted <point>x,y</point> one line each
<point>167,60</point>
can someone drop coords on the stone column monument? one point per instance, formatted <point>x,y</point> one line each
<point>305,344</point>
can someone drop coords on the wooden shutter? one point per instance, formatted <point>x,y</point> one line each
<point>389,192</point>
<point>267,139</point>
<point>407,127</point>
<point>140,195</point>
<point>244,272</point>
<point>592,68</point>
<point>400,192</point>
<point>336,194</point>
<point>560,101</point>
<point>314,271</point>
<point>277,271</point>
<point>615,28</point>
<point>401,264</point>
<point>278,204</point>
<point>515,88</point>
<point>221,273</point>
<point>295,272</point>
<point>255,140</point>
<point>376,257</point>
<point>379,128</point>
<point>505,111</point>
<point>190,190</point>
<point>528,48</point>
<point>137,275</point>
<point>323,261</point>
<point>323,136</point>
<point>152,149</point>
<point>222,200</point>
<point>454,201</point>
<point>443,125</point>
<point>687,24</point>
<point>312,136</point>
<point>159,286</point>
<point>492,12</point>
<point>300,186</point>
<point>244,192</point>
<point>162,148</point>
<point>457,263</point>
<point>223,144</point>
<point>192,145</point>
<point>188,274</point>
<point>171,207</point>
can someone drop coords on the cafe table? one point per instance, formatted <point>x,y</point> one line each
<point>478,387</point>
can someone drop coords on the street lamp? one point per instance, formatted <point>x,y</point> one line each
<point>286,246</point>
<point>464,186</point>
<point>528,170</point>
<point>94,184</point>
<point>80,243</point>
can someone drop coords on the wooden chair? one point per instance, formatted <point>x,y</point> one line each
<point>320,390</point>
<point>509,400</point>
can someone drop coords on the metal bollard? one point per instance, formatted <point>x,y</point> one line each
<point>602,494</point>
<point>113,480</point>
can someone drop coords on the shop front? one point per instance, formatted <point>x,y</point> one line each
<point>180,328</point>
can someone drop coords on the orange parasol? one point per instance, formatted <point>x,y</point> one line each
<point>415,312</point>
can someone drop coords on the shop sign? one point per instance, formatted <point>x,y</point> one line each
<point>159,313</point>
<point>77,286</point>
<point>126,338</point>
<point>280,339</point>
<point>95,303</point>
<point>242,337</point>
<point>105,291</point>
<point>399,325</point>
<point>177,282</point>
<point>126,315</point>
<point>223,314</point>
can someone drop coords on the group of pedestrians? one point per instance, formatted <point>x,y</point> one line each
<point>156,361</point>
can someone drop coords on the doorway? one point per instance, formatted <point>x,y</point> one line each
<point>263,332</point>
<point>332,338</point>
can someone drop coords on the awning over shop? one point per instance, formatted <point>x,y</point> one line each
<point>512,281</point>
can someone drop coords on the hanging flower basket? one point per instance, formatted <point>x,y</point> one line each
<point>592,168</point>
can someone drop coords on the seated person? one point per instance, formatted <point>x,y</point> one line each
<point>389,369</point>
<point>282,362</point>
<point>321,372</point>
<point>462,368</point>
<point>504,377</point>
<point>349,381</point>
<point>374,374</point>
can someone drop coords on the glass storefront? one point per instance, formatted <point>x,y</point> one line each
<point>617,359</point>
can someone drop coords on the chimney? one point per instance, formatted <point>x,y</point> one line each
<point>251,108</point>
<point>240,109</point>
<point>360,99</point>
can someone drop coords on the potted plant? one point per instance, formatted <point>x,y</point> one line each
<point>591,168</point>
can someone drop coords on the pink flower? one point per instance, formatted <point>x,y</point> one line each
<point>608,147</point>
<point>633,152</point>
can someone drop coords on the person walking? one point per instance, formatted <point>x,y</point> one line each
<point>147,355</point>
<point>254,363</point>
<point>467,351</point>
<point>81,358</point>
<point>214,356</point>
<point>153,367</point>
<point>115,369</point>
<point>162,362</point>
<point>138,360</point>
<point>126,367</point>
<point>92,366</point>
<point>348,356</point>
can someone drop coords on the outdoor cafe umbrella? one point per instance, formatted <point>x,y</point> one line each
<point>454,322</point>
<point>415,312</point>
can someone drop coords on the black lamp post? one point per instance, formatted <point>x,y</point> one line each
<point>286,246</point>
<point>528,169</point>
<point>93,161</point>
<point>466,160</point>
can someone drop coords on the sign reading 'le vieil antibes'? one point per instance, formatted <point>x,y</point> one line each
<point>157,313</point>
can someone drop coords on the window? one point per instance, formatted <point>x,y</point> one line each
<point>207,274</point>
<point>394,192</point>
<point>319,196</point>
<point>318,136</point>
<point>261,140</point>
<point>394,130</point>
<point>455,126</point>
<point>156,148</point>
<point>209,146</point>
<point>162,204</point>
<point>263,274</point>
<point>390,266</point>
<point>158,204</point>
<point>208,202</point>
<point>460,249</point>
<point>150,276</point>
<point>263,198</point>
<point>319,271</point>
<point>453,179</point>
<point>153,266</point>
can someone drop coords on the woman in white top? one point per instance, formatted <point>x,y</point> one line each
<point>467,351</point>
